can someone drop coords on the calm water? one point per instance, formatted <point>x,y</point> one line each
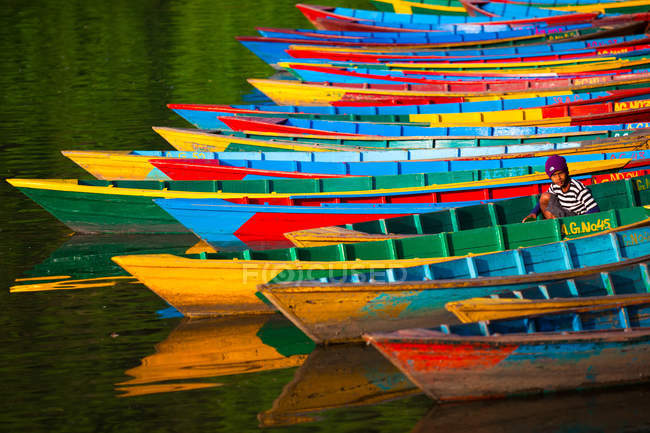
<point>103,357</point>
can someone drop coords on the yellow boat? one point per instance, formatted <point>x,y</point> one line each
<point>286,92</point>
<point>128,165</point>
<point>206,288</point>
<point>116,164</point>
<point>339,376</point>
<point>226,283</point>
<point>477,309</point>
<point>194,140</point>
<point>527,117</point>
<point>197,351</point>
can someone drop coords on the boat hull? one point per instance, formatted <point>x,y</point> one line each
<point>450,369</point>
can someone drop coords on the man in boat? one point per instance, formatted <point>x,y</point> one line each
<point>566,196</point>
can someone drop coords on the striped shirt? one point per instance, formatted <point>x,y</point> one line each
<point>578,198</point>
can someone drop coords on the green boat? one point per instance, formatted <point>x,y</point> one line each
<point>475,229</point>
<point>98,206</point>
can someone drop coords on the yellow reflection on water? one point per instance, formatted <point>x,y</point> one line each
<point>65,283</point>
<point>199,349</point>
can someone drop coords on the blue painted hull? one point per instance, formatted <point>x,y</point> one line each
<point>386,130</point>
<point>397,298</point>
<point>395,167</point>
<point>273,50</point>
<point>216,220</point>
<point>376,76</point>
<point>571,351</point>
<point>209,119</point>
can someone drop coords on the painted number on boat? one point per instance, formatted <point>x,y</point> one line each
<point>637,125</point>
<point>574,228</point>
<point>636,238</point>
<point>643,184</point>
<point>590,80</point>
<point>192,155</point>
<point>617,176</point>
<point>630,105</point>
<point>592,44</point>
<point>564,35</point>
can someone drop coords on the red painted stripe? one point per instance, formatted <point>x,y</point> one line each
<point>201,169</point>
<point>272,226</point>
<point>376,58</point>
<point>440,356</point>
<point>243,124</point>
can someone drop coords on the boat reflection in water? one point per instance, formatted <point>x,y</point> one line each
<point>615,410</point>
<point>337,376</point>
<point>202,349</point>
<point>84,261</point>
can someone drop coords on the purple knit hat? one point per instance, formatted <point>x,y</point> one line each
<point>555,163</point>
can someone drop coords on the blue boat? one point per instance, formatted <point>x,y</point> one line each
<point>221,222</point>
<point>273,50</point>
<point>342,308</point>
<point>340,74</point>
<point>212,218</point>
<point>387,167</point>
<point>568,351</point>
<point>308,126</point>
<point>509,14</point>
<point>207,116</point>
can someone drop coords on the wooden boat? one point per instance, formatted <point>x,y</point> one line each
<point>490,8</point>
<point>596,54</point>
<point>197,352</point>
<point>85,261</point>
<point>285,92</point>
<point>355,20</point>
<point>90,205</point>
<point>280,126</point>
<point>450,143</point>
<point>484,215</point>
<point>342,74</point>
<point>622,287</point>
<point>307,35</point>
<point>208,169</point>
<point>136,165</point>
<point>569,351</point>
<point>222,286</point>
<point>273,50</point>
<point>456,7</point>
<point>326,18</point>
<point>207,116</point>
<point>95,204</point>
<point>342,308</point>
<point>195,285</point>
<point>252,223</point>
<point>346,375</point>
<point>607,113</point>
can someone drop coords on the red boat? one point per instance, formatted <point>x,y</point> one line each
<point>213,169</point>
